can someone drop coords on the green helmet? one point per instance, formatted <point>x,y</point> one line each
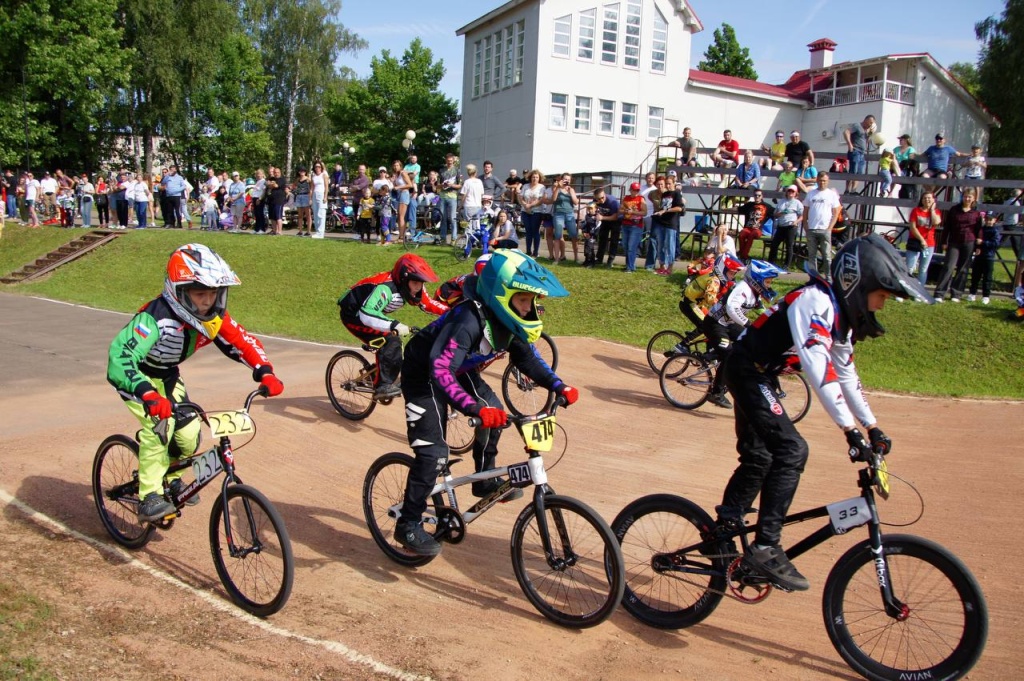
<point>509,272</point>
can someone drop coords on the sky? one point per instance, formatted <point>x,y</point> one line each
<point>944,28</point>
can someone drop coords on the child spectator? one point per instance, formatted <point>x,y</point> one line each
<point>985,252</point>
<point>385,209</point>
<point>975,167</point>
<point>66,204</point>
<point>210,213</point>
<point>887,167</point>
<point>589,230</point>
<point>788,175</point>
<point>365,219</point>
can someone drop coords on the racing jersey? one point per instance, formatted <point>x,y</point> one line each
<point>156,341</point>
<point>733,307</point>
<point>807,322</point>
<point>372,299</point>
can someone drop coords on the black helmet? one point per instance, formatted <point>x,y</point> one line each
<point>865,265</point>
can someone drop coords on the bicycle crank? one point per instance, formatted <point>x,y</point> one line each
<point>740,578</point>
<point>452,525</point>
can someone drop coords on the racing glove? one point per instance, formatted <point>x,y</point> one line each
<point>157,405</point>
<point>880,442</point>
<point>570,394</point>
<point>273,385</point>
<point>401,329</point>
<point>492,417</point>
<point>859,448</point>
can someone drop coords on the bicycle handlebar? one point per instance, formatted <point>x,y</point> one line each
<point>514,420</point>
<point>181,410</point>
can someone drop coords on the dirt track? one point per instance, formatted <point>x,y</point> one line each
<point>462,616</point>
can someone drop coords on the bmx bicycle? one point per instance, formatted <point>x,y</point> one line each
<point>564,555</point>
<point>895,606</point>
<point>250,545</point>
<point>477,234</point>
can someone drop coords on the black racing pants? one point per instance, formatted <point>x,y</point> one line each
<point>720,340</point>
<point>784,235</point>
<point>389,348</point>
<point>426,414</point>
<point>772,453</point>
<point>608,240</point>
<point>689,310</point>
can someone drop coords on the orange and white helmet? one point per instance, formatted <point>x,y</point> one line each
<point>195,266</point>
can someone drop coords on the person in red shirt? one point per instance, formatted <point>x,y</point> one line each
<point>923,222</point>
<point>727,155</point>
<point>632,209</point>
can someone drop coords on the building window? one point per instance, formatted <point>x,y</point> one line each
<point>517,78</point>
<point>655,122</point>
<point>588,23</point>
<point>559,104</point>
<point>582,120</point>
<point>488,49</point>
<point>509,46</point>
<point>627,127</point>
<point>563,35</point>
<point>610,34</point>
<point>659,46</point>
<point>606,117</point>
<point>631,56</point>
<point>496,71</point>
<point>477,67</point>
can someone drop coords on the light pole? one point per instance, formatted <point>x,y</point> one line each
<point>346,151</point>
<point>407,144</point>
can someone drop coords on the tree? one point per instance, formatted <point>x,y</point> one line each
<point>967,74</point>
<point>400,94</point>
<point>1000,61</point>
<point>725,56</point>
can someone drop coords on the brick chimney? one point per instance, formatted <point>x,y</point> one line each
<point>821,52</point>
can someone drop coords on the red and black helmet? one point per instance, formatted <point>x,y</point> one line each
<point>411,267</point>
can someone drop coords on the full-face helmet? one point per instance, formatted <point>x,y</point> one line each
<point>509,272</point>
<point>195,266</point>
<point>760,276</point>
<point>726,267</point>
<point>411,267</point>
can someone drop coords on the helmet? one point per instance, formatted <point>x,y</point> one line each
<point>480,262</point>
<point>507,273</point>
<point>759,276</point>
<point>635,187</point>
<point>726,266</point>
<point>865,265</point>
<point>411,267</point>
<point>195,266</point>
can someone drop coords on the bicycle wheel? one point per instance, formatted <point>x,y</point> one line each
<point>664,588</point>
<point>331,222</point>
<point>460,248</point>
<point>661,347</point>
<point>459,434</point>
<point>383,492</point>
<point>115,489</point>
<point>522,396</point>
<point>548,351</point>
<point>412,243</point>
<point>686,381</point>
<point>350,384</point>
<point>581,583</point>
<point>795,395</point>
<point>942,630</point>
<point>253,555</point>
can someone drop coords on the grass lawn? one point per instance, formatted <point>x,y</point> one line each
<point>290,285</point>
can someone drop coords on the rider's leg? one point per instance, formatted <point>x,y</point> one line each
<point>425,427</point>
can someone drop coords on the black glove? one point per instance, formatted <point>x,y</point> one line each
<point>880,442</point>
<point>859,448</point>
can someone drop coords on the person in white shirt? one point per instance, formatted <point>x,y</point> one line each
<point>211,221</point>
<point>48,187</point>
<point>31,196</point>
<point>212,183</point>
<point>721,242</point>
<point>142,196</point>
<point>88,190</point>
<point>821,212</point>
<point>472,193</point>
<point>321,183</point>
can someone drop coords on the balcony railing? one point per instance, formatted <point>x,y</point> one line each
<point>865,92</point>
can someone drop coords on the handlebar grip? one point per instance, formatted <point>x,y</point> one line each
<point>473,421</point>
<point>263,391</point>
<point>561,401</point>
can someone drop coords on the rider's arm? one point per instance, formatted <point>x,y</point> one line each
<point>238,344</point>
<point>372,311</point>
<point>450,349</point>
<point>526,358</point>
<point>127,351</point>
<point>739,301</point>
<point>849,381</point>
<point>428,304</point>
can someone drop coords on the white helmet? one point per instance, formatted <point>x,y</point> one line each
<point>195,266</point>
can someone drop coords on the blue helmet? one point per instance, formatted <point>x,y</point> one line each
<point>509,272</point>
<point>759,276</point>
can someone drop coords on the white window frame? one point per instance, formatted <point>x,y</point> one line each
<point>606,117</point>
<point>561,42</point>
<point>496,62</point>
<point>478,55</point>
<point>517,77</point>
<point>509,51</point>
<point>655,122</point>
<point>631,39</point>
<point>610,34</point>
<point>582,114</point>
<point>659,44</point>
<point>488,61</point>
<point>587,32</point>
<point>559,106</point>
<point>627,120</point>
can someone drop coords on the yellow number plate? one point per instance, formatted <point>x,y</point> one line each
<point>540,435</point>
<point>882,474</point>
<point>230,423</point>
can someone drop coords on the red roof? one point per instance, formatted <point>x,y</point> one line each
<point>822,44</point>
<point>734,83</point>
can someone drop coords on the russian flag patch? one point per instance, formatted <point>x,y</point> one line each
<point>141,330</point>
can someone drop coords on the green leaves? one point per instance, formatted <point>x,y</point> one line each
<point>725,56</point>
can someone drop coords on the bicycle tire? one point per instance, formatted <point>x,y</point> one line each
<point>660,524</point>
<point>661,347</point>
<point>259,579</point>
<point>350,385</point>
<point>331,222</point>
<point>116,467</point>
<point>795,396</point>
<point>686,381</point>
<point>585,586</point>
<point>458,433</point>
<point>522,396</point>
<point>547,349</point>
<point>460,248</point>
<point>945,632</point>
<point>384,488</point>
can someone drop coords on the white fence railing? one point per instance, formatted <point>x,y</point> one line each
<point>890,90</point>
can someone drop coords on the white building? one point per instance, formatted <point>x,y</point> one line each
<point>579,86</point>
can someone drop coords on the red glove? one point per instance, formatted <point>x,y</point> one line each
<point>157,405</point>
<point>273,385</point>
<point>491,417</point>
<point>570,394</point>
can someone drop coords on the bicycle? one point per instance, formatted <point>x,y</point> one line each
<point>565,557</point>
<point>476,235</point>
<point>351,380</point>
<point>339,217</point>
<point>414,238</point>
<point>250,545</point>
<point>894,606</point>
<point>522,396</point>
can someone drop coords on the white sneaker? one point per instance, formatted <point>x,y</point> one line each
<point>940,300</point>
<point>984,300</point>
<point>971,298</point>
<point>954,300</point>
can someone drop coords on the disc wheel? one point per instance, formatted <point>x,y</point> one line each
<point>350,384</point>
<point>661,347</point>
<point>383,492</point>
<point>686,381</point>
<point>115,489</point>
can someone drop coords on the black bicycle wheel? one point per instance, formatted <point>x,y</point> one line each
<point>460,248</point>
<point>548,351</point>
<point>383,492</point>
<point>795,395</point>
<point>665,588</point>
<point>581,584</point>
<point>459,434</point>
<point>350,384</point>
<point>686,381</point>
<point>254,561</point>
<point>115,488</point>
<point>944,625</point>
<point>522,396</point>
<point>661,347</point>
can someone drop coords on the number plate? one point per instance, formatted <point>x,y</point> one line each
<point>230,423</point>
<point>206,467</point>
<point>846,515</point>
<point>519,474</point>
<point>540,435</point>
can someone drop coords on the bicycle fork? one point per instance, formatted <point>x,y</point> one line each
<point>568,557</point>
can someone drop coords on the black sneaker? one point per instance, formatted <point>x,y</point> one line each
<point>485,488</point>
<point>413,537</point>
<point>720,400</point>
<point>155,507</point>
<point>386,390</point>
<point>773,563</point>
<point>176,487</point>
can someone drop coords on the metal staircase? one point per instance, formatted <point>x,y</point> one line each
<point>64,254</point>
